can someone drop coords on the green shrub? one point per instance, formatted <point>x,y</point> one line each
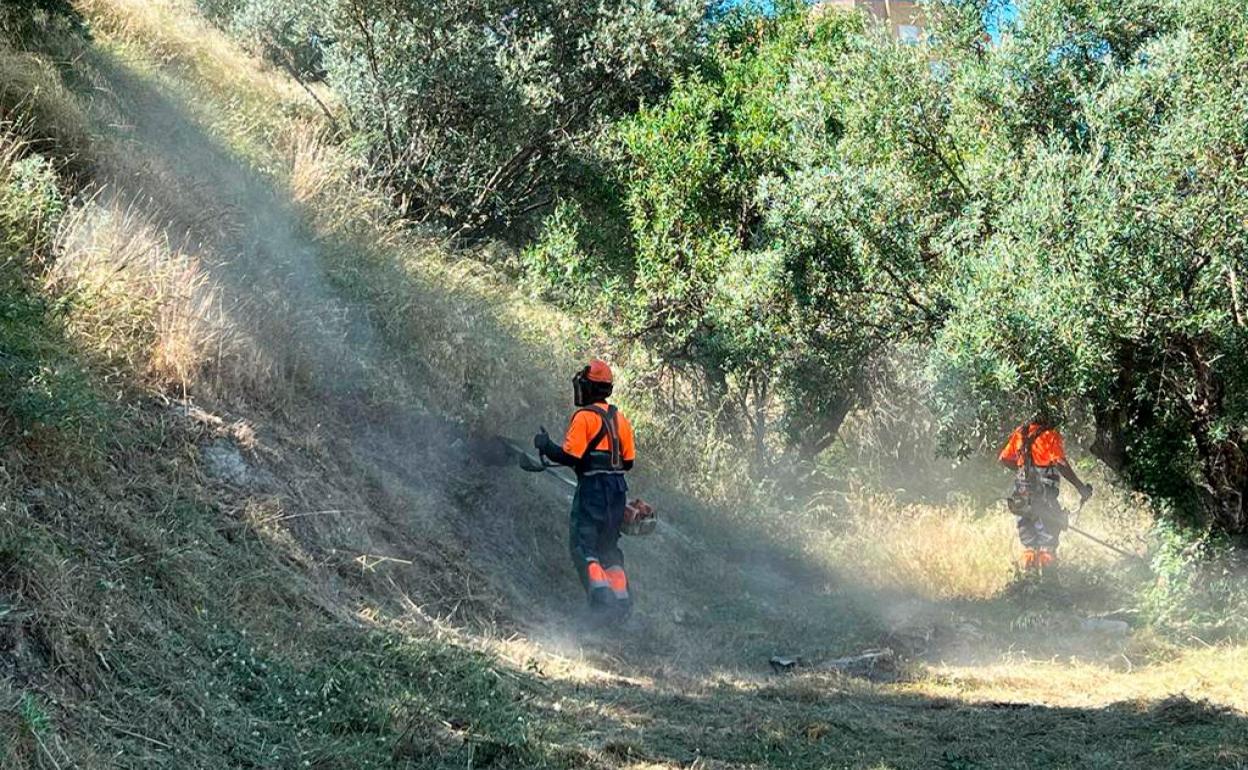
<point>41,384</point>
<point>30,20</point>
<point>558,266</point>
<point>286,33</point>
<point>1200,585</point>
<point>31,205</point>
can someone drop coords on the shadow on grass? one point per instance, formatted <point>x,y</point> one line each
<point>826,723</point>
<point>183,640</point>
<point>314,302</point>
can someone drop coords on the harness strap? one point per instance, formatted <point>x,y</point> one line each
<point>609,430</point>
<point>1029,440</point>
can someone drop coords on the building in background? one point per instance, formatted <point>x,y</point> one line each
<point>905,18</point>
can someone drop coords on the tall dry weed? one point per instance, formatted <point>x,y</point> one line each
<point>36,105</point>
<point>175,31</point>
<point>140,303</point>
<point>958,551</point>
<point>934,552</point>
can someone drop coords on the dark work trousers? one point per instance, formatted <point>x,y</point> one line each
<point>1043,530</point>
<point>597,513</point>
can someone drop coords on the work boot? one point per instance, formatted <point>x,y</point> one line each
<point>601,599</point>
<point>621,612</point>
<point>605,617</point>
<point>1047,566</point>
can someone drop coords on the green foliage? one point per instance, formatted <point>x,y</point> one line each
<point>30,206</point>
<point>1105,279</point>
<point>30,20</point>
<point>220,11</point>
<point>1199,587</point>
<point>716,281</point>
<point>287,33</point>
<point>40,384</point>
<point>557,265</point>
<point>475,112</point>
<point>1058,220</point>
<point>34,719</point>
<point>780,236</point>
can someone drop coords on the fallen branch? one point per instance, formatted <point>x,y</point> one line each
<point>152,741</point>
<point>368,562</point>
<point>867,662</point>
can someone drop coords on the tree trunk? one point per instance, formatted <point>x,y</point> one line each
<point>819,435</point>
<point>1223,467</point>
<point>1216,489</point>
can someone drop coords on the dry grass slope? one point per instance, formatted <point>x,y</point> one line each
<point>262,556</point>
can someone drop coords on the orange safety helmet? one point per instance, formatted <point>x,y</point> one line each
<point>593,383</point>
<point>598,371</point>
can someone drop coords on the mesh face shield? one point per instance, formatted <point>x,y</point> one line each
<point>585,391</point>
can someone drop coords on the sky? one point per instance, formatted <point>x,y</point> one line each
<point>1005,15</point>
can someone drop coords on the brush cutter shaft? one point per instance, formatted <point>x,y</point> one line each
<point>640,517</point>
<point>1088,535</point>
<point>1101,542</point>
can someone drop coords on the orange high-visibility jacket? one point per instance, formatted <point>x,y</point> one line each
<point>1047,449</point>
<point>586,424</point>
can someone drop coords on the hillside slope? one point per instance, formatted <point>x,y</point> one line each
<point>258,534</point>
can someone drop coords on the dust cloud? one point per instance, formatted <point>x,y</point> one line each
<point>714,595</point>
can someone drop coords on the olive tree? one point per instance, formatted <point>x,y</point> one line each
<point>477,112</point>
<point>1107,279</point>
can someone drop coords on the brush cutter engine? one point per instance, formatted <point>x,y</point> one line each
<point>639,518</point>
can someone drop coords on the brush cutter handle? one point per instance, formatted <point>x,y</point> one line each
<point>527,463</point>
<point>524,459</point>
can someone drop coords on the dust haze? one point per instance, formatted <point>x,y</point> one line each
<point>714,593</point>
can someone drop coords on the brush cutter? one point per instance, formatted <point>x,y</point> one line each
<point>1013,508</point>
<point>528,463</point>
<point>1096,539</point>
<point>640,518</point>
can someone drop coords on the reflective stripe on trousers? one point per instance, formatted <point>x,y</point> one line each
<point>618,582</point>
<point>596,576</point>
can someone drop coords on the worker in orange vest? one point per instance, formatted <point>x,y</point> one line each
<point>1036,453</point>
<point>598,445</point>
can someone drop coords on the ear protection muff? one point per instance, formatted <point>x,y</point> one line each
<point>581,395</point>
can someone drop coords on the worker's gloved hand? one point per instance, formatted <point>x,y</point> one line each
<point>1085,494</point>
<point>541,441</point>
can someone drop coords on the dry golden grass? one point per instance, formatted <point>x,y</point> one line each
<point>956,551</point>
<point>930,552</point>
<point>174,33</point>
<point>319,174</point>
<point>1218,674</point>
<point>35,105</point>
<point>140,304</point>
